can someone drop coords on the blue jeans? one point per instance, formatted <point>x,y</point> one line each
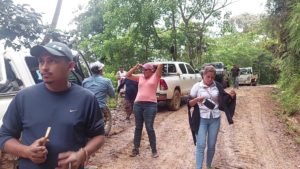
<point>209,128</point>
<point>235,81</point>
<point>144,111</point>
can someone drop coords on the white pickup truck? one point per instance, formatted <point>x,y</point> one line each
<point>176,82</point>
<point>19,70</point>
<point>246,76</point>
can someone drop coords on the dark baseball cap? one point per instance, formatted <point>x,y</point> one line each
<point>54,48</point>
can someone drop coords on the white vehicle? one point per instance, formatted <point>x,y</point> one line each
<point>247,77</point>
<point>176,82</point>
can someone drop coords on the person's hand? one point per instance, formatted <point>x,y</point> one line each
<point>70,159</point>
<point>37,151</point>
<point>232,93</point>
<point>200,99</point>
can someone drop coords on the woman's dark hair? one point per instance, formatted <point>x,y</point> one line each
<point>95,70</point>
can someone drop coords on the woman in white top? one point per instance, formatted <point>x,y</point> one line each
<point>207,95</point>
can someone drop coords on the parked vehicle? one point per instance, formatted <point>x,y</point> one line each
<point>176,82</point>
<point>221,72</point>
<point>247,77</point>
<point>19,70</point>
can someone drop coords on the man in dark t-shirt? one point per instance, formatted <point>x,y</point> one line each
<point>235,72</point>
<point>131,89</point>
<point>70,112</point>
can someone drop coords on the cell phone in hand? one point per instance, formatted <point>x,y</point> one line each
<point>209,104</point>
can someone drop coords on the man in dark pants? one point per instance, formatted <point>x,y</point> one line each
<point>77,127</point>
<point>131,89</point>
<point>235,72</point>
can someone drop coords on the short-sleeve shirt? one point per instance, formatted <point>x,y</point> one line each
<point>235,71</point>
<point>147,89</point>
<point>209,92</point>
<point>73,115</point>
<point>131,89</point>
<point>101,87</point>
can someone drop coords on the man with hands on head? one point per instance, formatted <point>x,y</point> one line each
<point>72,112</point>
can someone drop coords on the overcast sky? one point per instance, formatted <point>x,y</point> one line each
<point>69,6</point>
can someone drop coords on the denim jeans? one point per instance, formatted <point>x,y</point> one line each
<point>208,129</point>
<point>235,81</point>
<point>144,111</point>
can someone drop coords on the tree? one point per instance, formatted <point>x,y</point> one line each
<point>90,22</point>
<point>284,27</point>
<point>20,25</point>
<point>53,23</point>
<point>197,16</point>
<point>245,22</point>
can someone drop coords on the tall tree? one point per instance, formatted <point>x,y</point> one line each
<point>197,16</point>
<point>284,26</point>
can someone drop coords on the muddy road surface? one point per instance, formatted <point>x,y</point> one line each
<point>257,139</point>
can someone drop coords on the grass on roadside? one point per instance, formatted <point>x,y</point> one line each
<point>289,118</point>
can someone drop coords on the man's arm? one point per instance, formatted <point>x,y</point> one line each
<point>111,90</point>
<point>36,152</point>
<point>75,159</point>
<point>94,144</point>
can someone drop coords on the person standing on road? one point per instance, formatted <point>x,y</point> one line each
<point>131,89</point>
<point>77,127</point>
<point>101,87</point>
<point>120,75</point>
<point>145,104</point>
<point>235,72</point>
<point>210,97</point>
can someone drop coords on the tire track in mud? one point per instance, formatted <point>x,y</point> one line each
<point>172,144</point>
<point>251,142</point>
<point>256,140</point>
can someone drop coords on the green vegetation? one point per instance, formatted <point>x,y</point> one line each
<point>20,25</point>
<point>125,32</point>
<point>286,49</point>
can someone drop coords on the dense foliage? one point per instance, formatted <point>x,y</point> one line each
<point>285,14</point>
<point>125,32</point>
<point>20,25</point>
<point>140,31</point>
<point>129,31</point>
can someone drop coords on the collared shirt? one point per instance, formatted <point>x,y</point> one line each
<point>101,87</point>
<point>209,92</point>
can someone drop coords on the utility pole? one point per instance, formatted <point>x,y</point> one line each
<point>54,21</point>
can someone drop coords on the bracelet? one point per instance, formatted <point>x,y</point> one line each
<point>85,153</point>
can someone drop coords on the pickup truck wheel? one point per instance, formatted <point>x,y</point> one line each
<point>174,103</point>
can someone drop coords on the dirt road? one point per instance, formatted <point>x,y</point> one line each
<point>257,140</point>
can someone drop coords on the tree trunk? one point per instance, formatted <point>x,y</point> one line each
<point>54,21</point>
<point>174,54</point>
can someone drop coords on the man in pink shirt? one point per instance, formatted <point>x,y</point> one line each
<point>145,104</point>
